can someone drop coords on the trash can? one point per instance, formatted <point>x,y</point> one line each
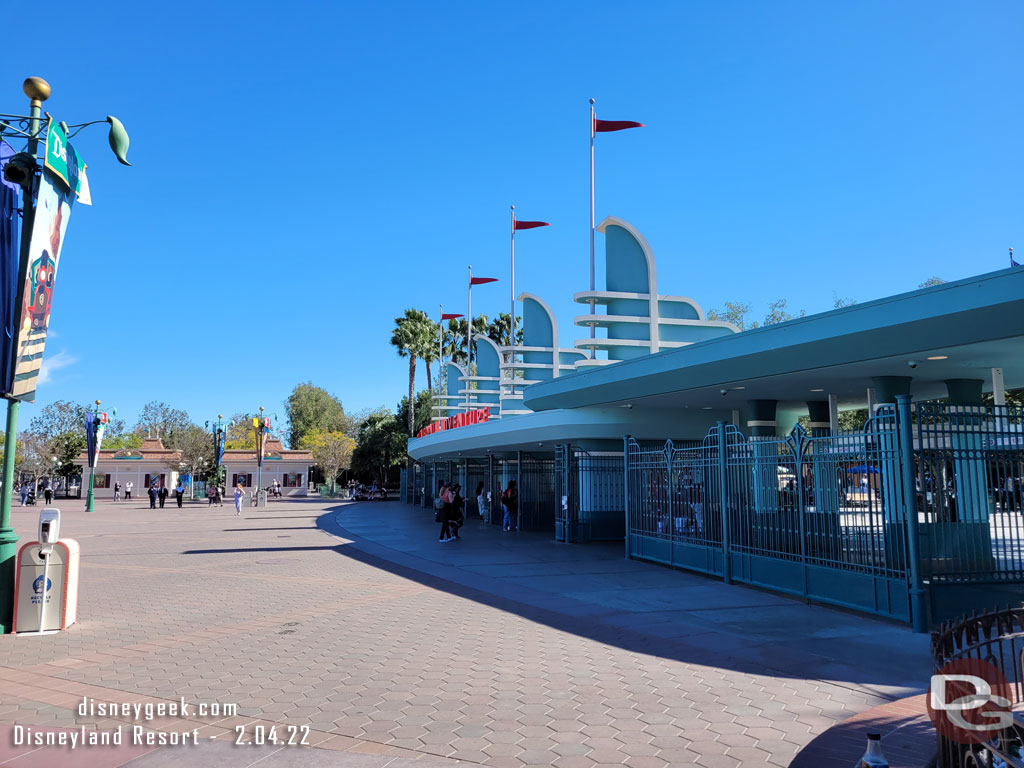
<point>46,580</point>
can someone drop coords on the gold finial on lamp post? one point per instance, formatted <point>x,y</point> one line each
<point>36,89</point>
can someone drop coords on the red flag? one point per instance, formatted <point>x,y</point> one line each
<point>604,126</point>
<point>450,317</point>
<point>480,280</point>
<point>530,225</point>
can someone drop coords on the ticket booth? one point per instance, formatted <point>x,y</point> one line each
<point>46,581</point>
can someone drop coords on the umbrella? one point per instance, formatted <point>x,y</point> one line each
<point>862,469</point>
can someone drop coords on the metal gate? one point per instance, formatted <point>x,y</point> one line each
<point>536,492</point>
<point>819,517</point>
<point>589,495</point>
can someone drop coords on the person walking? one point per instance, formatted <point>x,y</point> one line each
<point>457,515</point>
<point>23,489</point>
<point>117,491</point>
<point>128,490</point>
<point>211,494</point>
<point>48,493</point>
<point>152,496</point>
<point>179,493</point>
<point>238,499</point>
<point>481,501</point>
<point>220,495</point>
<point>162,495</point>
<point>444,496</point>
<point>510,506</point>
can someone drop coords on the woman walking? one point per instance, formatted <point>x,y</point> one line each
<point>179,493</point>
<point>238,499</point>
<point>211,494</point>
<point>444,496</point>
<point>510,506</point>
<point>481,502</point>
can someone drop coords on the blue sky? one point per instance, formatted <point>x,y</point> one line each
<point>303,172</point>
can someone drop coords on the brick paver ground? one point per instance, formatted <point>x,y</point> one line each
<point>393,648</point>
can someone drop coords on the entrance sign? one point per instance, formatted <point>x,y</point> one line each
<point>65,162</point>
<point>458,420</point>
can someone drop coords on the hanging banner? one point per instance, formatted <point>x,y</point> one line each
<point>66,163</point>
<point>35,290</point>
<point>9,260</point>
<point>218,445</point>
<point>95,426</point>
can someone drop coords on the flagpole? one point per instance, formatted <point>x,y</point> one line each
<point>440,347</point>
<point>512,290</point>
<point>469,333</point>
<point>592,283</point>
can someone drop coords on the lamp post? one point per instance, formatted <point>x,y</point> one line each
<point>217,430</point>
<point>95,424</point>
<point>22,170</point>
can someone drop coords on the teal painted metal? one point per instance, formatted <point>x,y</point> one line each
<point>744,509</point>
<point>969,477</point>
<point>536,483</point>
<point>589,495</point>
<point>403,485</point>
<point>918,603</point>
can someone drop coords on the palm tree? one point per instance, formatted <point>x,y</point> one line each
<point>430,351</point>
<point>411,338</point>
<point>455,337</point>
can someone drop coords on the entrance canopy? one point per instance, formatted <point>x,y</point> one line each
<point>958,330</point>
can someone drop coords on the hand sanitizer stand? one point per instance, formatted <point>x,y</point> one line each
<point>46,583</point>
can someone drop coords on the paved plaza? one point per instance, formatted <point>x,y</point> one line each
<point>351,620</point>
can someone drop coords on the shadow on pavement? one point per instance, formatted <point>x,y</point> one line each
<point>592,590</point>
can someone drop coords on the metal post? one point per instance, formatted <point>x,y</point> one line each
<point>8,540</point>
<point>918,605</point>
<point>625,486</point>
<point>723,496</point>
<point>519,490</point>
<point>592,281</point>
<point>469,334</point>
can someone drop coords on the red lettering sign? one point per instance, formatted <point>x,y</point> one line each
<point>458,420</point>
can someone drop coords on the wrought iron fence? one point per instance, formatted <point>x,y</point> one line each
<point>970,467</point>
<point>589,495</point>
<point>815,516</point>
<point>536,492</point>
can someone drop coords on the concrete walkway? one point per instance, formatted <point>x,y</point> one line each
<point>503,650</point>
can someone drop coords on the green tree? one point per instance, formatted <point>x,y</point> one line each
<point>411,339</point>
<point>332,451</point>
<point>158,419</point>
<point>240,436</point>
<point>313,409</point>
<point>455,337</point>
<point>380,447</point>
<point>838,302</point>
<point>930,282</point>
<point>735,312</point>
<point>62,425</point>
<point>196,447</point>
<point>423,413</point>
<point>777,313</point>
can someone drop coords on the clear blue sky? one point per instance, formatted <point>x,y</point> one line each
<point>303,172</point>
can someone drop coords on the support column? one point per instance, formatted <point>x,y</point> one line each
<point>823,527</point>
<point>833,413</point>
<point>973,500</point>
<point>887,483</point>
<point>762,426</point>
<point>998,387</point>
<point>887,387</point>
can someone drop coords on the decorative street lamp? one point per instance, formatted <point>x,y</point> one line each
<point>95,425</point>
<point>261,428</point>
<point>23,170</point>
<point>219,436</point>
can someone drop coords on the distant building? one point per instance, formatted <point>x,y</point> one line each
<point>289,467</point>
<point>141,466</point>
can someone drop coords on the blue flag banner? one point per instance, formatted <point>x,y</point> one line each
<point>90,437</point>
<point>9,259</point>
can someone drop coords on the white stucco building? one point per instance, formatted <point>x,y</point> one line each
<point>138,466</point>
<point>290,468</point>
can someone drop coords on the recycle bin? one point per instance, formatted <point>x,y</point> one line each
<point>46,580</point>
